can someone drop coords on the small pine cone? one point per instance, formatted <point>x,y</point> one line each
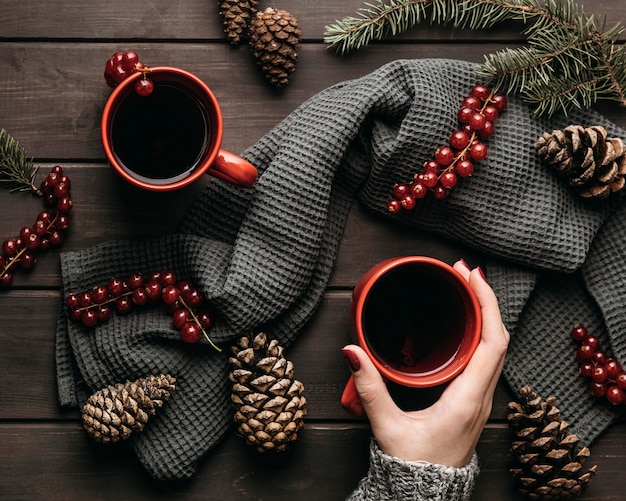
<point>274,41</point>
<point>594,164</point>
<point>115,412</point>
<point>236,16</point>
<point>269,404</point>
<point>548,462</point>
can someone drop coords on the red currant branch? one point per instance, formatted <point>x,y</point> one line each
<point>121,65</point>
<point>183,300</point>
<point>440,174</point>
<point>46,232</point>
<point>607,379</point>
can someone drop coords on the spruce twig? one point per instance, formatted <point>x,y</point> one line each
<point>571,61</point>
<point>17,173</point>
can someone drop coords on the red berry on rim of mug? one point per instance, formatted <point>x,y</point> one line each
<point>144,87</point>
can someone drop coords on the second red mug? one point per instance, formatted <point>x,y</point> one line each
<point>170,138</point>
<point>417,319</point>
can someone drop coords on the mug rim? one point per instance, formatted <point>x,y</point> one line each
<point>471,336</point>
<point>207,97</point>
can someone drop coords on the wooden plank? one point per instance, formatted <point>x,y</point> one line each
<point>197,19</point>
<point>58,462</point>
<point>54,93</point>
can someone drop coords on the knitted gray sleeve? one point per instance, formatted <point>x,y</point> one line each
<point>390,478</point>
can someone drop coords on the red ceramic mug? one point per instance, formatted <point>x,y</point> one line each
<point>417,319</point>
<point>170,138</point>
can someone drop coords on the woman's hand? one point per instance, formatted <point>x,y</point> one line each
<point>447,432</point>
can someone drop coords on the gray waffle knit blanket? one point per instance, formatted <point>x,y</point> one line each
<point>263,256</point>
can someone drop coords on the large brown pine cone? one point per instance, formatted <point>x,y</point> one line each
<point>274,41</point>
<point>115,412</point>
<point>269,403</point>
<point>593,164</point>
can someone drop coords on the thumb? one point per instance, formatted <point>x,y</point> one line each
<point>370,386</point>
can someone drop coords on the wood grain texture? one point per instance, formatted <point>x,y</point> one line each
<point>52,94</point>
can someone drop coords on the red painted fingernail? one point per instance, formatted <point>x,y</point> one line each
<point>464,263</point>
<point>352,359</point>
<point>482,273</point>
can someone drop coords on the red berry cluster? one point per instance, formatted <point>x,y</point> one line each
<point>608,380</point>
<point>46,232</point>
<point>477,113</point>
<point>181,298</point>
<point>121,65</point>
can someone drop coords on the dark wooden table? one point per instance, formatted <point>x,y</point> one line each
<point>51,96</point>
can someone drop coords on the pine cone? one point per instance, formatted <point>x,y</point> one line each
<point>115,412</point>
<point>236,16</point>
<point>548,460</point>
<point>594,164</point>
<point>269,405</point>
<point>274,41</point>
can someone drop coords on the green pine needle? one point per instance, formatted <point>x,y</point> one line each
<point>17,173</point>
<point>571,61</point>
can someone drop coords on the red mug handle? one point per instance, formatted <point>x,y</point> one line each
<point>350,400</point>
<point>233,169</point>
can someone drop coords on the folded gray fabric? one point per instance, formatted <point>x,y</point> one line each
<point>263,255</point>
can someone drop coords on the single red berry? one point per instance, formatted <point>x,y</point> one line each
<point>153,290</point>
<point>99,294</point>
<point>599,357</point>
<point>167,277</point>
<point>597,389</point>
<point>471,102</point>
<point>487,130</point>
<point>62,222</point>
<point>55,238</point>
<point>115,286</point>
<point>89,318</point>
<point>9,247</point>
<point>40,228</point>
<point>399,190</point>
<point>464,114</point>
<point>27,260</point>
<point>584,353</point>
<point>190,332</point>
<point>478,151</point>
<point>193,298</point>
<point>103,313</point>
<point>71,301</point>
<point>613,368</point>
<point>490,113</point>
<point>429,180</point>
<point>6,279</point>
<point>432,166</point>
<point>180,317</point>
<point>139,296</point>
<point>394,206</point>
<point>480,91</point>
<point>620,379</point>
<point>205,319</point>
<point>85,299</point>
<point>418,190</point>
<point>615,395</point>
<point>440,192</point>
<point>407,201</point>
<point>593,342</point>
<point>477,121</point>
<point>144,87</point>
<point>499,101</point>
<point>464,168</point>
<point>170,294</point>
<point>599,374</point>
<point>33,241</point>
<point>459,140</point>
<point>578,332</point>
<point>123,305</point>
<point>61,190</point>
<point>586,369</point>
<point>65,204</point>
<point>135,281</point>
<point>444,155</point>
<point>448,179</point>
<point>129,59</point>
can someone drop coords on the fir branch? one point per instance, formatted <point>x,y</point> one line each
<point>571,58</point>
<point>17,172</point>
